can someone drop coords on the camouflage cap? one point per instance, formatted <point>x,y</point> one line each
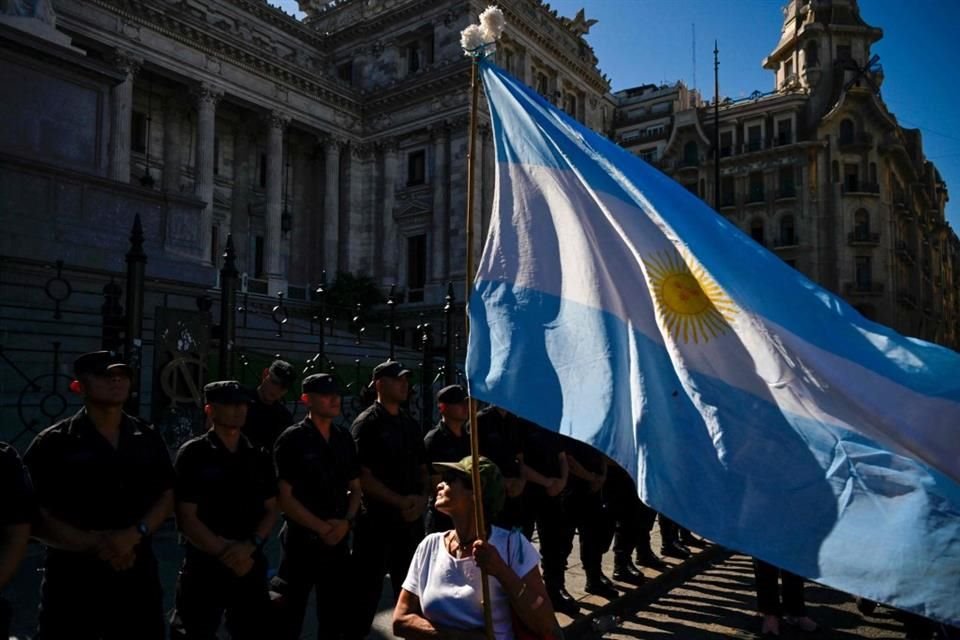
<point>494,494</point>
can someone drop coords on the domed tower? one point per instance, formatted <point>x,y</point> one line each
<point>824,46</point>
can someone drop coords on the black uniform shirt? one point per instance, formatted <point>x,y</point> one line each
<point>541,452</point>
<point>500,439</point>
<point>443,445</point>
<point>229,488</point>
<point>81,479</point>
<point>318,470</point>
<point>17,505</point>
<point>392,448</point>
<point>588,457</point>
<point>265,422</point>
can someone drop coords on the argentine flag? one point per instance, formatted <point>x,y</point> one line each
<point>749,404</point>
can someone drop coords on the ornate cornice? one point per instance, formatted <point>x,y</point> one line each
<point>181,27</point>
<point>587,72</point>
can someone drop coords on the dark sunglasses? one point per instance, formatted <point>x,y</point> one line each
<point>451,477</point>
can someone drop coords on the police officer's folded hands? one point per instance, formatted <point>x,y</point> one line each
<point>338,531</point>
<point>414,506</point>
<point>238,557</point>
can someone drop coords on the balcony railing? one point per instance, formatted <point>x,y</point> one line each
<point>786,241</point>
<point>858,141</point>
<point>863,238</point>
<point>861,188</point>
<point>752,145</point>
<point>863,288</point>
<point>787,191</point>
<point>783,139</point>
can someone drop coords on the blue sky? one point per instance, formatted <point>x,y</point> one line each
<point>651,41</point>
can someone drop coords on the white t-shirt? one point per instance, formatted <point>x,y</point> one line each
<point>449,588</point>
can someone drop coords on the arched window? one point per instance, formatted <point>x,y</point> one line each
<point>690,154</point>
<point>861,225</point>
<point>788,235</point>
<point>756,230</point>
<point>542,83</point>
<point>846,131</point>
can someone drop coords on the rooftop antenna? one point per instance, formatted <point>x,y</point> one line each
<point>693,44</point>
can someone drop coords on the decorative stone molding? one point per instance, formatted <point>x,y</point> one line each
<point>207,95</point>
<point>361,152</point>
<point>439,131</point>
<point>276,119</point>
<point>126,62</point>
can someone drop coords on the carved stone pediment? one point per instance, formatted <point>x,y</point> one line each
<point>413,204</point>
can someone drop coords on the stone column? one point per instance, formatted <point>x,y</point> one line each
<point>122,116</point>
<point>240,197</point>
<point>206,97</point>
<point>388,255</point>
<point>354,239</point>
<point>331,209</point>
<point>173,109</point>
<point>438,232</point>
<point>276,278</point>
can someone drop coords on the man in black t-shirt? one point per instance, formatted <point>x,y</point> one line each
<point>319,480</point>
<point>104,484</point>
<point>394,477</point>
<point>267,416</point>
<point>226,507</point>
<point>17,509</point>
<point>446,442</point>
<point>500,437</point>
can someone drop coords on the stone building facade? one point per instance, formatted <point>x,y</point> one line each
<point>336,143</point>
<point>818,170</point>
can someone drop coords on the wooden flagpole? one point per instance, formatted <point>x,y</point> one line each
<point>474,441</point>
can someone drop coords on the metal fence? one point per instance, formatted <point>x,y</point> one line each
<point>180,336</point>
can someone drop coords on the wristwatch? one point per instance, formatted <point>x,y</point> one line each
<point>143,529</point>
<point>257,541</point>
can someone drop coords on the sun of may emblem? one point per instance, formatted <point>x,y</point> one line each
<point>692,304</point>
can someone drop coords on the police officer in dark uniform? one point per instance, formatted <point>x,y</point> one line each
<point>226,507</point>
<point>632,520</point>
<point>588,511</point>
<point>17,510</point>
<point>319,479</point>
<point>394,477</point>
<point>500,439</point>
<point>104,484</point>
<point>446,442</point>
<point>267,416</point>
<point>547,472</point>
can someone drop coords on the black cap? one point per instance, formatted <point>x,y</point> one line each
<point>99,363</point>
<point>453,394</point>
<point>282,373</point>
<point>225,392</point>
<point>320,383</point>
<point>389,369</point>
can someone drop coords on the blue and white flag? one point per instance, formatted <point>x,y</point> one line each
<point>749,404</point>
